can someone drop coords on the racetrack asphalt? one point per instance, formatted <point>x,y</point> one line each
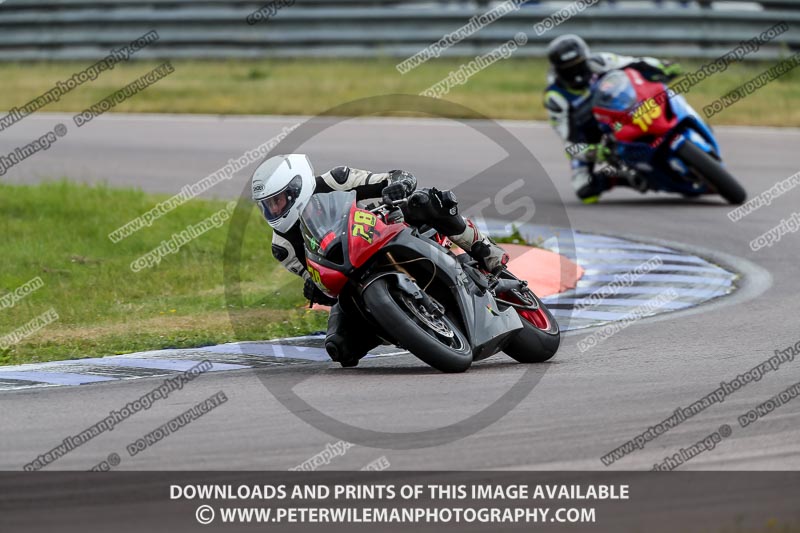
<point>582,406</point>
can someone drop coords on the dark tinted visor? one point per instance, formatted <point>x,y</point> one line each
<point>576,75</point>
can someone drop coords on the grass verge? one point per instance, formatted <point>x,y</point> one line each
<point>59,232</point>
<point>510,89</point>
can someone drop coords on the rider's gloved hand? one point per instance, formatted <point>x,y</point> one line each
<point>603,153</point>
<point>663,71</point>
<point>671,69</point>
<point>593,153</point>
<point>314,295</point>
<point>419,199</point>
<point>394,192</point>
<point>402,184</point>
<point>419,209</point>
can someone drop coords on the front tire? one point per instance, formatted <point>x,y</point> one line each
<point>426,338</point>
<point>712,172</point>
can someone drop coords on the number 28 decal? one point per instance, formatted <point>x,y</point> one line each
<point>315,275</point>
<point>364,225</point>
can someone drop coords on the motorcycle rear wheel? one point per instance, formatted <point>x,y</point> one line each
<point>436,341</point>
<point>540,337</point>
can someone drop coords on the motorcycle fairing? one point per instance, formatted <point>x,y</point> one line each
<point>329,281</point>
<point>343,242</point>
<point>617,96</point>
<point>368,234</point>
<point>339,238</point>
<point>652,151</point>
<point>487,327</point>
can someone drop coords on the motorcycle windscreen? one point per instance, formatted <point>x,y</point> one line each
<point>324,220</point>
<point>615,92</point>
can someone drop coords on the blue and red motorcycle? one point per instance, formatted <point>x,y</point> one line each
<point>654,139</point>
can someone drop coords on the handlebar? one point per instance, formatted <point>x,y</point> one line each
<point>393,205</point>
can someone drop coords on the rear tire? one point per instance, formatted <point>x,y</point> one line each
<point>387,306</point>
<point>712,172</point>
<point>535,344</point>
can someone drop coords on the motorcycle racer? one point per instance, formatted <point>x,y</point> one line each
<point>573,69</point>
<point>282,186</point>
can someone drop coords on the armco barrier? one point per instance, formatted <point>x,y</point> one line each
<point>82,29</point>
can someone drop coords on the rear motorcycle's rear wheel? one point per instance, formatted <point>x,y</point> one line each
<point>712,172</point>
<point>540,337</point>
<point>437,341</point>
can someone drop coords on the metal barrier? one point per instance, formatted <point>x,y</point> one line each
<point>83,29</point>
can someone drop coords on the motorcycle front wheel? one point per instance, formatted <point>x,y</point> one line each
<point>713,173</point>
<point>435,340</point>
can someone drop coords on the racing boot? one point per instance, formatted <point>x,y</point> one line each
<point>603,180</point>
<point>587,186</point>
<point>485,251</point>
<point>346,341</point>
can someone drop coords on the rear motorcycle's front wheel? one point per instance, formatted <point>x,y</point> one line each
<point>436,340</point>
<point>713,173</point>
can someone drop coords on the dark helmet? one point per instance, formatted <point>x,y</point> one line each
<point>569,56</point>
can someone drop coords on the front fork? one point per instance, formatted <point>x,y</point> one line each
<point>410,287</point>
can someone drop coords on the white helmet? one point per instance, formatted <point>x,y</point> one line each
<point>282,186</point>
